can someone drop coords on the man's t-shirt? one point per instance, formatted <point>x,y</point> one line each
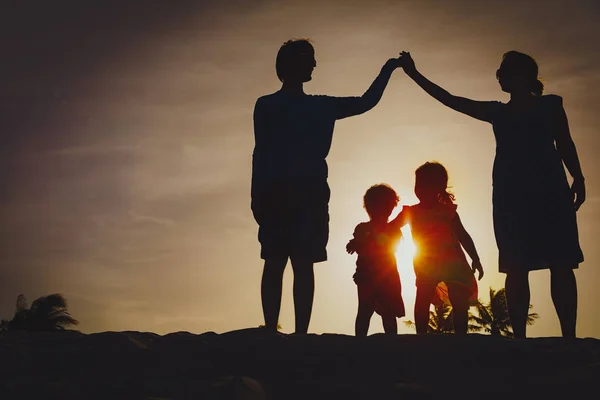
<point>293,135</point>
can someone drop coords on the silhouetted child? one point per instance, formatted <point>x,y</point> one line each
<point>376,276</point>
<point>438,234</point>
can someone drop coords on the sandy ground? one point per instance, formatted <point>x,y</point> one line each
<point>254,364</point>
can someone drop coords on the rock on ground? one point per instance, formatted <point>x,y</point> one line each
<point>256,364</point>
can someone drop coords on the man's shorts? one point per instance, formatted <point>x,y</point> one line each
<point>293,220</point>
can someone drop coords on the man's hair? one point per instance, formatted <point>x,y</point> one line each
<point>287,53</point>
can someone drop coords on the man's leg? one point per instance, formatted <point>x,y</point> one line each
<point>309,233</point>
<point>304,290</point>
<point>271,287</point>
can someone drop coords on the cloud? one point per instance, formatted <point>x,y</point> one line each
<point>94,150</point>
<point>138,218</point>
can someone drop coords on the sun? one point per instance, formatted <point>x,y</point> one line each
<point>406,248</point>
<point>404,257</point>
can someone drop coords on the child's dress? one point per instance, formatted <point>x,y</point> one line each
<point>376,273</point>
<point>439,256</point>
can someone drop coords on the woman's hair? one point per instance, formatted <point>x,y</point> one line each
<point>515,62</point>
<point>287,54</point>
<point>380,197</point>
<point>434,175</point>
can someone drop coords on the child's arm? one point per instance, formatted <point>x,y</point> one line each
<point>400,220</point>
<point>355,244</point>
<point>467,243</point>
<point>351,246</point>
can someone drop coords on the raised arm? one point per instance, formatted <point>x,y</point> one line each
<point>467,243</point>
<point>349,106</point>
<point>568,153</point>
<point>400,220</point>
<point>481,110</point>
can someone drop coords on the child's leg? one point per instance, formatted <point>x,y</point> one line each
<point>422,302</point>
<point>390,324</point>
<point>459,298</point>
<point>364,314</point>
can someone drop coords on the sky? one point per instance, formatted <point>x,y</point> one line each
<point>126,139</point>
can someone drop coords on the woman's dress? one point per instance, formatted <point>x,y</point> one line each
<point>535,222</point>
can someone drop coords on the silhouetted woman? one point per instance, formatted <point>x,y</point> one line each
<point>534,208</point>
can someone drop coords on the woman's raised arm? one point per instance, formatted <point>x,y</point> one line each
<point>481,110</point>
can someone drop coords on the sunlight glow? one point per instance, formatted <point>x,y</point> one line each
<point>404,257</point>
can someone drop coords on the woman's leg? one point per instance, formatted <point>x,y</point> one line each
<point>422,303</point>
<point>517,299</point>
<point>563,288</point>
<point>390,324</point>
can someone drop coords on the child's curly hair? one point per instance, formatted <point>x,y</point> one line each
<point>380,198</point>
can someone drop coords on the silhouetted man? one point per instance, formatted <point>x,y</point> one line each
<point>290,194</point>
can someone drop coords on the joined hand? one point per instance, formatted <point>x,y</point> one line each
<point>393,63</point>
<point>408,64</point>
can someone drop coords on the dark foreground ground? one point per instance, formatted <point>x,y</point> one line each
<point>253,364</point>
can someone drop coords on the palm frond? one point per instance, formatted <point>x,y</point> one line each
<point>484,313</point>
<point>490,318</point>
<point>498,306</point>
<point>46,313</point>
<point>493,316</point>
<point>50,301</point>
<point>63,320</point>
<point>531,318</point>
<point>492,293</point>
<point>507,333</point>
<point>4,325</point>
<point>21,303</point>
<point>478,320</point>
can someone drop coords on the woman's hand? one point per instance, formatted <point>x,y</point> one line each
<point>408,64</point>
<point>578,192</point>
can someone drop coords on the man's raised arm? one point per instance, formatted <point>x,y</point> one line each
<point>349,106</point>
